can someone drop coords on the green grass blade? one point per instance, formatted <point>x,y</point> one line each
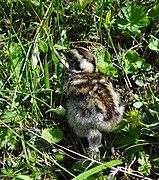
<point>97,169</point>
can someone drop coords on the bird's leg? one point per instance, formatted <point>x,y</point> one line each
<point>94,140</point>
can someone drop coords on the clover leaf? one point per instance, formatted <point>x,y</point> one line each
<point>134,17</point>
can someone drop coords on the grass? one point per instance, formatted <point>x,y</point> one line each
<point>35,140</point>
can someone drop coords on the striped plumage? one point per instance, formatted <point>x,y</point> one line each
<point>92,104</point>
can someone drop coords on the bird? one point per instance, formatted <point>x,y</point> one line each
<point>93,105</point>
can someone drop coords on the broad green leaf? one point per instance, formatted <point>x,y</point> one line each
<point>132,63</point>
<point>102,66</point>
<point>7,171</point>
<point>146,66</point>
<point>16,56</point>
<point>154,44</point>
<point>97,169</point>
<point>47,135</point>
<point>59,110</point>
<point>11,115</point>
<point>59,47</point>
<point>57,135</point>
<point>35,3</point>
<point>59,156</point>
<point>137,104</point>
<point>139,82</point>
<point>154,13</point>
<point>43,46</point>
<point>54,58</point>
<point>135,16</point>
<point>105,65</point>
<point>52,135</point>
<point>22,177</point>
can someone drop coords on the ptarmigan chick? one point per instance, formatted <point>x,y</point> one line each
<point>92,104</point>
